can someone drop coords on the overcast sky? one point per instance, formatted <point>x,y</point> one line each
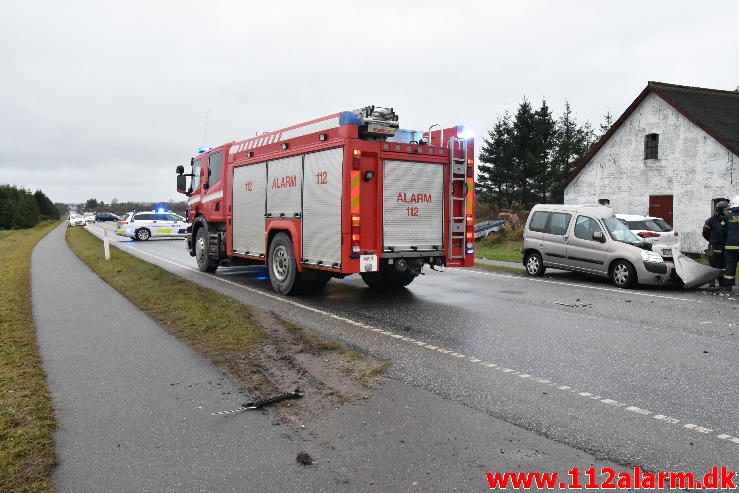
<point>104,99</point>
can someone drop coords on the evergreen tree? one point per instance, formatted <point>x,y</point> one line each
<point>26,213</point>
<point>45,206</point>
<point>525,158</point>
<point>495,180</point>
<point>91,204</point>
<point>543,146</point>
<point>606,125</point>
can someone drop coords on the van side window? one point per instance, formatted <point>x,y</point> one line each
<point>558,223</point>
<point>539,222</point>
<point>585,227</point>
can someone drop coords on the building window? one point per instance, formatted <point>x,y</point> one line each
<point>651,146</point>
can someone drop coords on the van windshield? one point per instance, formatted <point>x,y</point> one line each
<point>620,232</point>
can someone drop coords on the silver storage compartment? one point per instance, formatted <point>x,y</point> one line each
<point>249,190</point>
<point>412,206</point>
<point>322,185</point>
<point>284,185</point>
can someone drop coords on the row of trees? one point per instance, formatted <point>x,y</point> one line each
<point>526,156</point>
<point>119,208</point>
<point>19,208</point>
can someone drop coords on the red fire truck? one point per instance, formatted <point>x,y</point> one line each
<point>349,193</point>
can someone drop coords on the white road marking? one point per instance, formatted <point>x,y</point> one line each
<point>509,371</point>
<point>575,285</point>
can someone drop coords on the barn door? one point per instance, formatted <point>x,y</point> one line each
<point>661,206</point>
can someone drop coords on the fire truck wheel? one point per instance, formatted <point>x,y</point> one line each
<point>143,234</point>
<point>205,263</point>
<point>387,280</point>
<point>283,272</point>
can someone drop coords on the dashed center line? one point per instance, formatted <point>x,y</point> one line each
<point>667,420</point>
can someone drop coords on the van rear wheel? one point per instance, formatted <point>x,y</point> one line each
<point>534,264</point>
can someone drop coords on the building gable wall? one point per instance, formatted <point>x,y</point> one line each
<point>692,167</point>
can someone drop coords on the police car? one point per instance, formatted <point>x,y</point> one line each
<point>151,224</point>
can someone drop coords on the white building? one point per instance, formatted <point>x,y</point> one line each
<point>672,154</point>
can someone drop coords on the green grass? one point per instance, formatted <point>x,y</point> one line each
<point>218,326</point>
<point>222,328</point>
<point>502,245</point>
<point>27,419</point>
<point>508,250</point>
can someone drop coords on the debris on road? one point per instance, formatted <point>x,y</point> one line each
<point>304,459</point>
<point>692,273</point>
<point>260,403</point>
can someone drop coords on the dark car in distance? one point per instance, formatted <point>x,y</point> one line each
<point>106,216</point>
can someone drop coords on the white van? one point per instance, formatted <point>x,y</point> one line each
<point>592,240</point>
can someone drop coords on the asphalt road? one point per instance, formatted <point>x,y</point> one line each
<point>642,377</point>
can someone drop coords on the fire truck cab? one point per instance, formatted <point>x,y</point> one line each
<point>349,193</point>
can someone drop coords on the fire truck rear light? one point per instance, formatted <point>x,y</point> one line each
<point>357,153</point>
<point>355,249</point>
<point>469,245</point>
<point>469,218</point>
<point>355,220</point>
<point>470,162</point>
<point>470,250</point>
<point>470,235</point>
<point>355,238</point>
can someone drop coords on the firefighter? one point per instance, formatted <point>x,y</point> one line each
<point>731,251</point>
<point>714,234</point>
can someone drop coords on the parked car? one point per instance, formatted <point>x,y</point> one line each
<point>650,228</point>
<point>592,240</point>
<point>89,217</point>
<point>151,224</point>
<point>76,219</point>
<point>106,216</point>
<point>654,230</point>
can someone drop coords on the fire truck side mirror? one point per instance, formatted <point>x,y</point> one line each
<point>180,169</point>
<point>182,183</point>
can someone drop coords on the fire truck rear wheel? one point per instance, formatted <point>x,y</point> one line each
<point>388,279</point>
<point>283,271</point>
<point>205,263</point>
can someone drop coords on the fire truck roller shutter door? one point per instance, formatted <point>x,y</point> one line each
<point>322,185</point>
<point>249,190</point>
<point>284,186</point>
<point>412,205</point>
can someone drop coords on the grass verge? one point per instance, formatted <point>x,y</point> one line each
<point>499,268</point>
<point>27,419</point>
<point>255,347</point>
<point>216,325</point>
<point>509,251</point>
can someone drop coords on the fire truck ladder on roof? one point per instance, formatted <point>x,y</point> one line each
<point>457,195</point>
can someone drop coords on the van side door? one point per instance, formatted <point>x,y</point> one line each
<point>555,238</point>
<point>585,253</point>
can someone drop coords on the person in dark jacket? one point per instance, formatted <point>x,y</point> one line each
<point>713,232</point>
<point>731,249</point>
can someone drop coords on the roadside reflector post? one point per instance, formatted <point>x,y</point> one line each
<point>106,244</point>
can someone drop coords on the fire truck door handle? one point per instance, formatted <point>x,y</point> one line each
<point>566,238</point>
